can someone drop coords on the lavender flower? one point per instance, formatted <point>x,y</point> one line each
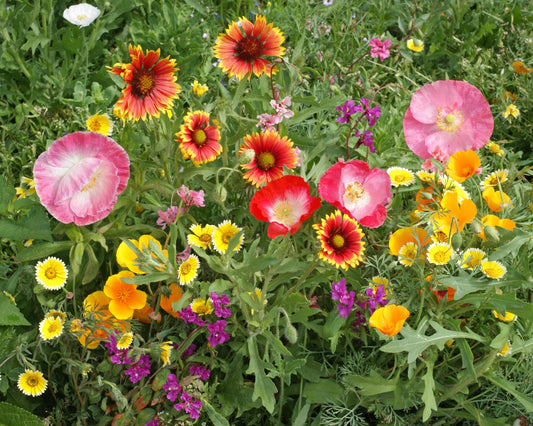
<point>217,335</point>
<point>346,300</point>
<point>376,298</point>
<point>191,406</point>
<point>366,138</point>
<point>139,369</point>
<point>172,387</point>
<point>347,110</point>
<point>218,304</point>
<point>200,370</point>
<point>190,317</point>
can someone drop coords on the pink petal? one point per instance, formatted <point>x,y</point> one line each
<point>426,100</point>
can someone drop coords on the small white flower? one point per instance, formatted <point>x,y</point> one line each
<point>82,14</point>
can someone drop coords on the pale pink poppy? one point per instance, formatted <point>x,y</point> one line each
<point>80,176</point>
<point>357,190</point>
<point>445,117</point>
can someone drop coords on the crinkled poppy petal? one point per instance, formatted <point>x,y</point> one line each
<point>426,101</point>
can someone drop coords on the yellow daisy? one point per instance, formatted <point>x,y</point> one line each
<point>506,350</point>
<point>494,148</point>
<point>199,89</point>
<point>166,350</point>
<point>125,340</point>
<point>508,317</point>
<point>51,273</point>
<point>407,254</point>
<point>452,186</point>
<point>439,253</point>
<point>472,258</point>
<point>499,176</point>
<point>400,176</point>
<point>493,269</point>
<point>424,176</point>
<point>201,236</point>
<point>202,306</point>
<point>56,314</point>
<point>50,328</point>
<point>100,123</point>
<point>188,270</point>
<point>222,235</point>
<point>32,383</point>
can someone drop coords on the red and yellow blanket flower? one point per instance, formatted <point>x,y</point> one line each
<point>198,140</point>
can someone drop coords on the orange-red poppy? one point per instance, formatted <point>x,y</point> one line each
<point>462,165</point>
<point>166,302</point>
<point>124,297</point>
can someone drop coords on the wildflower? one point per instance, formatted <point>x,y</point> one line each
<point>51,273</point>
<point>511,110</point>
<point>347,110</point>
<point>189,405</point>
<point>495,178</point>
<point>366,139</point>
<point>172,387</point>
<point>327,2</point>
<point>389,319</point>
<point>100,123</point>
<point>492,220</point>
<point>441,294</point>
<point>272,154</point>
<point>496,200</point>
<point>124,297</point>
<point>166,301</point>
<point>377,281</point>
<point>201,236</point>
<point>50,328</point>
<point>82,14</point>
<point>376,297</point>
<point>416,236</point>
<point>201,306</point>
<point>472,258</point>
<point>61,316</point>
<point>200,370</point>
<point>439,253</point>
<point>494,148</point>
<point>188,270</point>
<point>506,350</point>
<point>198,140</point>
<point>281,109</point>
<point>379,48</point>
<point>442,117</point>
<point>222,235</point>
<point>80,176</point>
<point>407,254</point>
<point>256,296</point>
<point>243,54</point>
<point>415,45</point>
<point>493,269</point>
<point>26,189</point>
<point>191,198</point>
<point>462,165</point>
<point>424,176</point>
<point>127,258</point>
<point>285,203</point>
<point>507,317</point>
<point>340,240</point>
<point>168,217</point>
<point>199,89</point>
<point>166,350</point>
<point>117,355</point>
<point>124,341</point>
<point>217,335</point>
<point>267,122</point>
<point>453,214</point>
<point>219,301</point>
<point>32,383</point>
<point>519,68</point>
<point>339,292</point>
<point>400,176</point>
<point>189,317</point>
<point>139,369</point>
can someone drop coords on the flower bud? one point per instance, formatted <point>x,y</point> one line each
<point>492,234</point>
<point>247,156</point>
<point>291,334</point>
<point>476,226</point>
<point>456,241</point>
<point>220,194</point>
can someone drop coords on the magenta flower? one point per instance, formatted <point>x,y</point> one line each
<point>347,110</point>
<point>218,304</point>
<point>379,48</point>
<point>346,300</point>
<point>189,405</point>
<point>200,370</point>
<point>139,369</point>
<point>217,335</point>
<point>445,117</point>
<point>191,198</point>
<point>357,190</point>
<point>80,176</point>
<point>172,387</point>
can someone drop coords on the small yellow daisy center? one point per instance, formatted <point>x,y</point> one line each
<point>199,137</point>
<point>202,309</point>
<point>205,238</point>
<point>265,160</point>
<point>50,273</point>
<point>95,125</point>
<point>354,192</point>
<point>449,121</point>
<point>337,242</point>
<point>284,214</point>
<point>143,82</point>
<point>226,237</point>
<point>185,268</point>
<point>249,49</point>
<point>440,256</point>
<point>32,381</point>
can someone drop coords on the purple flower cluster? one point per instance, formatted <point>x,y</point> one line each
<point>172,387</point>
<point>189,405</point>
<point>379,49</point>
<point>217,333</point>
<point>118,356</point>
<point>190,317</point>
<point>139,369</point>
<point>349,108</point>
<point>376,298</point>
<point>346,300</point>
<point>218,304</point>
<point>201,371</point>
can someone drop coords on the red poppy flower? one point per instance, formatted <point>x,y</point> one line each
<point>270,154</point>
<point>242,54</point>
<point>198,140</point>
<point>341,240</point>
<point>150,84</point>
<point>285,203</point>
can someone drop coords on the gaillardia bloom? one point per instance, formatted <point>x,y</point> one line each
<point>244,46</point>
<point>357,190</point>
<point>389,319</point>
<point>340,240</point>
<point>51,273</point>
<point>271,154</point>
<point>198,140</point>
<point>150,84</point>
<point>124,297</point>
<point>80,176</point>
<point>285,203</point>
<point>445,117</point>
<point>32,383</point>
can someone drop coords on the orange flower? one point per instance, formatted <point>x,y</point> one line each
<point>241,54</point>
<point>389,319</point>
<point>425,198</point>
<point>492,220</point>
<point>142,315</point>
<point>519,68</point>
<point>198,140</point>
<point>462,165</point>
<point>403,236</point>
<point>496,200</point>
<point>150,84</point>
<point>125,298</point>
<point>454,215</point>
<point>166,302</point>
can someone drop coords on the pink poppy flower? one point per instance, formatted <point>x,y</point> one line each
<point>285,203</point>
<point>357,190</point>
<point>80,176</point>
<point>445,117</point>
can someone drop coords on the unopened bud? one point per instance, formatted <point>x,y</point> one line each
<point>247,156</point>
<point>220,194</point>
<point>291,334</point>
<point>476,226</point>
<point>456,241</point>
<point>492,234</point>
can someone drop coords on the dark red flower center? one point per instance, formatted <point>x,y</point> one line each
<point>199,137</point>
<point>336,242</point>
<point>265,160</point>
<point>249,49</point>
<point>143,82</point>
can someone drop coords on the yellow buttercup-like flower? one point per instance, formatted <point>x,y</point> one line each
<point>166,350</point>
<point>512,111</point>
<point>494,148</point>
<point>506,350</point>
<point>493,269</point>
<point>507,317</point>
<point>400,176</point>
<point>199,89</point>
<point>50,328</point>
<point>201,236</point>
<point>100,123</point>
<point>51,273</point>
<point>439,253</point>
<point>56,314</point>
<point>415,45</point>
<point>32,383</point>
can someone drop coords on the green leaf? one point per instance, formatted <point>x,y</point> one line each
<point>428,396</point>
<point>9,313</point>
<point>373,384</point>
<point>525,400</point>
<point>301,419</point>
<point>276,343</point>
<point>415,342</point>
<point>16,416</point>
<point>33,226</point>
<point>7,193</point>
<point>40,251</point>
<point>327,390</point>
<point>264,388</point>
<point>510,247</point>
<point>257,264</point>
<point>216,418</point>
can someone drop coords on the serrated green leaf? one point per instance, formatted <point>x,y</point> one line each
<point>264,388</point>
<point>16,416</point>
<point>215,417</point>
<point>428,396</point>
<point>9,313</point>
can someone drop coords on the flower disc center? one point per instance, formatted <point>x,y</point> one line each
<point>284,214</point>
<point>449,120</point>
<point>354,192</point>
<point>186,268</point>
<point>205,238</point>
<point>199,137</point>
<point>249,49</point>
<point>337,242</point>
<point>143,82</point>
<point>265,160</point>
<point>50,273</point>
